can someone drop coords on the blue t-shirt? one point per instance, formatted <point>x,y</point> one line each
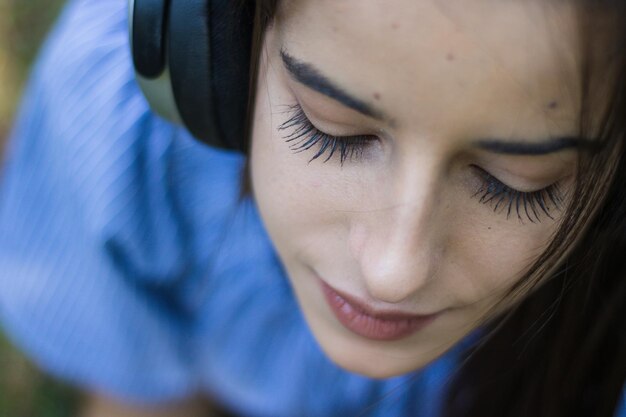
<point>129,266</point>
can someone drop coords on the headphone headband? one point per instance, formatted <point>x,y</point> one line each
<point>192,60</point>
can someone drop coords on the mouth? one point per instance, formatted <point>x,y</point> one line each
<point>367,322</point>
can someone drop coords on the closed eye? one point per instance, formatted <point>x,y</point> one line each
<point>524,204</point>
<point>304,136</point>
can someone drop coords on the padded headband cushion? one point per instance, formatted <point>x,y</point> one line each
<point>148,25</point>
<point>209,59</point>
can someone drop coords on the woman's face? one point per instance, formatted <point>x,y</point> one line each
<point>410,160</point>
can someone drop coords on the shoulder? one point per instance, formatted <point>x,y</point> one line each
<point>87,28</point>
<point>86,131</point>
<point>84,95</point>
<point>85,71</point>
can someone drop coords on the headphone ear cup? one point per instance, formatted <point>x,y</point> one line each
<point>192,60</point>
<point>231,24</point>
<point>147,30</point>
<point>147,36</point>
<point>189,57</point>
<point>209,60</point>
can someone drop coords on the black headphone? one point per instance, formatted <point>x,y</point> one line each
<point>192,60</point>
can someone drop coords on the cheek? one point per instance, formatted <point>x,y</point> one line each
<point>490,254</point>
<point>300,207</point>
<point>301,204</point>
<point>287,191</point>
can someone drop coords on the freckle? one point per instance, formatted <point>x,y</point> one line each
<point>489,227</point>
<point>553,104</point>
<point>377,96</point>
<point>450,57</point>
<point>335,29</point>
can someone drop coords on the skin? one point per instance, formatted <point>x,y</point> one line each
<point>402,227</point>
<point>97,405</point>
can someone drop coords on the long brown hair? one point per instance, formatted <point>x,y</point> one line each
<point>561,349</point>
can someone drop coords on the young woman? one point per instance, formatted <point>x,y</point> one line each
<point>430,220</point>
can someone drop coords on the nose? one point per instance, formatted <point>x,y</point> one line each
<point>396,248</point>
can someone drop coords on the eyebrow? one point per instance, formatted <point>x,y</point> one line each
<point>310,76</point>
<point>545,147</point>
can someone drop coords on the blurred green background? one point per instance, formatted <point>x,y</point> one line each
<point>24,391</point>
<point>23,25</point>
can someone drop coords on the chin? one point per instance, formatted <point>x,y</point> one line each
<point>377,369</point>
<point>376,365</point>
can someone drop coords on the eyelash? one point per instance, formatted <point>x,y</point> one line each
<point>506,199</point>
<point>491,191</point>
<point>305,136</point>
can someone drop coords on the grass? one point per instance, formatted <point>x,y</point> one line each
<point>25,391</point>
<point>23,25</point>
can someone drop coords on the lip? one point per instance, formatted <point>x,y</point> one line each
<point>361,319</point>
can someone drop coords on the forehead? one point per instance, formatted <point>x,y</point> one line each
<point>503,64</point>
